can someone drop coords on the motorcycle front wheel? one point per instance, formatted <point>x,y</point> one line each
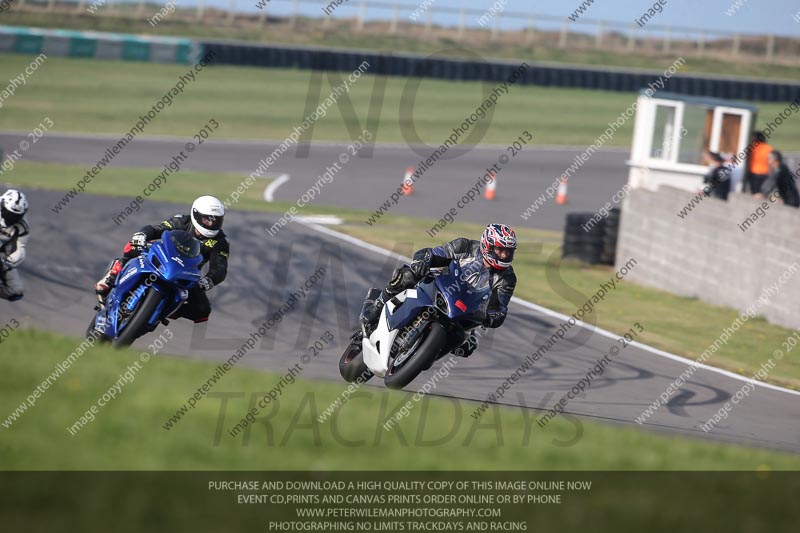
<point>138,321</point>
<point>92,333</point>
<point>400,375</point>
<point>352,366</point>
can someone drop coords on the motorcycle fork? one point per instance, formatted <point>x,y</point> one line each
<point>417,328</point>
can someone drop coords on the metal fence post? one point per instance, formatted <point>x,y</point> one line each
<point>531,31</point>
<point>293,16</point>
<point>495,23</point>
<point>770,46</point>
<point>362,8</point>
<point>598,40</point>
<point>632,38</point>
<point>668,39</point>
<point>701,44</point>
<point>428,23</point>
<point>460,35</point>
<point>562,37</point>
<point>395,15</point>
<point>262,17</point>
<point>201,8</point>
<point>736,44</point>
<point>231,11</point>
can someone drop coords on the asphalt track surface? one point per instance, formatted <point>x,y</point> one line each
<point>68,251</point>
<point>366,182</point>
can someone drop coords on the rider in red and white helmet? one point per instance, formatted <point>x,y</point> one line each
<point>498,243</point>
<point>492,255</point>
<point>205,224</point>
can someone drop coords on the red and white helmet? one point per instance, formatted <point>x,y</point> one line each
<point>498,236</point>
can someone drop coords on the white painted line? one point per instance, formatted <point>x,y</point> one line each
<point>270,190</point>
<point>555,314</point>
<point>324,220</point>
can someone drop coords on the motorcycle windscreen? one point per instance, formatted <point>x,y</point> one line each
<point>466,287</point>
<point>177,258</point>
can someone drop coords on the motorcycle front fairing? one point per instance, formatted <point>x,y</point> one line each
<point>466,290</point>
<point>398,312</point>
<point>162,268</point>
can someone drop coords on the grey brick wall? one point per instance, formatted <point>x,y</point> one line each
<point>706,255</point>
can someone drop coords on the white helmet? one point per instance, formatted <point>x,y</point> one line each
<point>13,206</point>
<point>207,215</point>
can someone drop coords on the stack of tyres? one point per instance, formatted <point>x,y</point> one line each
<point>591,241</point>
<point>582,239</point>
<point>610,232</point>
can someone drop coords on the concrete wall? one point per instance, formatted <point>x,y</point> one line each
<point>706,255</point>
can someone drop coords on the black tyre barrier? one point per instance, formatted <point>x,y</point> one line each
<point>594,244</point>
<point>391,64</point>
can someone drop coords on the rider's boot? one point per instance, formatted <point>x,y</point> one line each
<point>103,286</point>
<point>373,306</point>
<point>402,278</point>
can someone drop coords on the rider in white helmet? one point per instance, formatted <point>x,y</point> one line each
<point>205,223</point>
<point>13,239</point>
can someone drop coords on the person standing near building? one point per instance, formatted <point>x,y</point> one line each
<point>758,170</point>
<point>780,181</point>
<point>717,181</point>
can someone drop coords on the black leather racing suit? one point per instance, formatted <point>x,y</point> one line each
<point>503,282</point>
<point>215,252</point>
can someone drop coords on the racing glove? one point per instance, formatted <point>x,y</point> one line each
<point>205,283</point>
<point>422,263</point>
<point>138,241</point>
<point>494,319</point>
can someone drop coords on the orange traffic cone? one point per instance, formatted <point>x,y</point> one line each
<point>408,184</point>
<point>491,187</point>
<point>561,195</point>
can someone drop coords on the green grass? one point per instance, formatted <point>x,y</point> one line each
<point>127,433</point>
<point>679,325</point>
<point>268,103</point>
<point>374,37</point>
<point>129,182</point>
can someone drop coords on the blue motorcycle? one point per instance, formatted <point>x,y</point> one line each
<point>149,289</point>
<point>419,325</point>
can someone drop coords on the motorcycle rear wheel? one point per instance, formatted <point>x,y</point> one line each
<point>422,358</point>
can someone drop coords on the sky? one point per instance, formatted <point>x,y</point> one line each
<point>748,16</point>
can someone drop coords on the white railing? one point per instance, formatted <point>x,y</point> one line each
<point>430,18</point>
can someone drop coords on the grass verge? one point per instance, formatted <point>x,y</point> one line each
<point>268,103</point>
<point>127,433</point>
